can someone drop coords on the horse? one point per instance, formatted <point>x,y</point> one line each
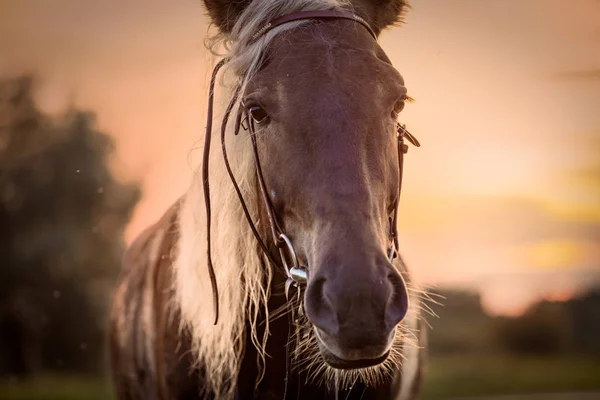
<point>284,281</point>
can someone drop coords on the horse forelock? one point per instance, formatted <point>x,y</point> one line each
<point>243,50</point>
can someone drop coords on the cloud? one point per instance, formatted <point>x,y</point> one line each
<point>557,254</point>
<point>582,75</point>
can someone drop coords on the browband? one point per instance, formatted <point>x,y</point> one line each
<point>314,14</point>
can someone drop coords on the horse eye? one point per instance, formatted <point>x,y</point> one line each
<point>398,107</point>
<point>258,114</point>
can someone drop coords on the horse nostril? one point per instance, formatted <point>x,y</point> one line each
<point>398,302</point>
<point>318,307</point>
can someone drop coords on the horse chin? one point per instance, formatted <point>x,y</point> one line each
<point>345,364</point>
<point>338,363</point>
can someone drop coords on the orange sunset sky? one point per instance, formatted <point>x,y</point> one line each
<point>502,196</point>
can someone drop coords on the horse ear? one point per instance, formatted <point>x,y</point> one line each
<point>224,13</point>
<point>382,13</point>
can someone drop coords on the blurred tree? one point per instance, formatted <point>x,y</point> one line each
<point>463,326</point>
<point>585,322</point>
<point>62,215</point>
<point>544,329</point>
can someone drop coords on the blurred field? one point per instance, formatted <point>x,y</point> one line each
<point>56,387</point>
<point>448,377</point>
<point>456,376</point>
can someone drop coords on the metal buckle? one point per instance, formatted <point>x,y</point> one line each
<point>297,274</point>
<point>244,122</point>
<point>403,133</point>
<point>392,253</point>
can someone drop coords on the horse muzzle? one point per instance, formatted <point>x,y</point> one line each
<point>354,309</point>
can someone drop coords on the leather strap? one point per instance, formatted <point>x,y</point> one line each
<point>315,14</point>
<point>206,185</point>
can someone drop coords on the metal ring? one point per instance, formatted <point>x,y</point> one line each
<point>290,247</point>
<point>391,254</point>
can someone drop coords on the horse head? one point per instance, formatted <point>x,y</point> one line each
<point>321,101</point>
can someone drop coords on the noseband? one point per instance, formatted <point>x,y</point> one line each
<point>297,274</point>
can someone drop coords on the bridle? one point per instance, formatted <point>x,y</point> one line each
<point>297,274</point>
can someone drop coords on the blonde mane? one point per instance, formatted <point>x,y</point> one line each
<point>243,273</point>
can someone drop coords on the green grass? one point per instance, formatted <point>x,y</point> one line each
<point>493,375</point>
<point>446,377</point>
<point>50,387</point>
